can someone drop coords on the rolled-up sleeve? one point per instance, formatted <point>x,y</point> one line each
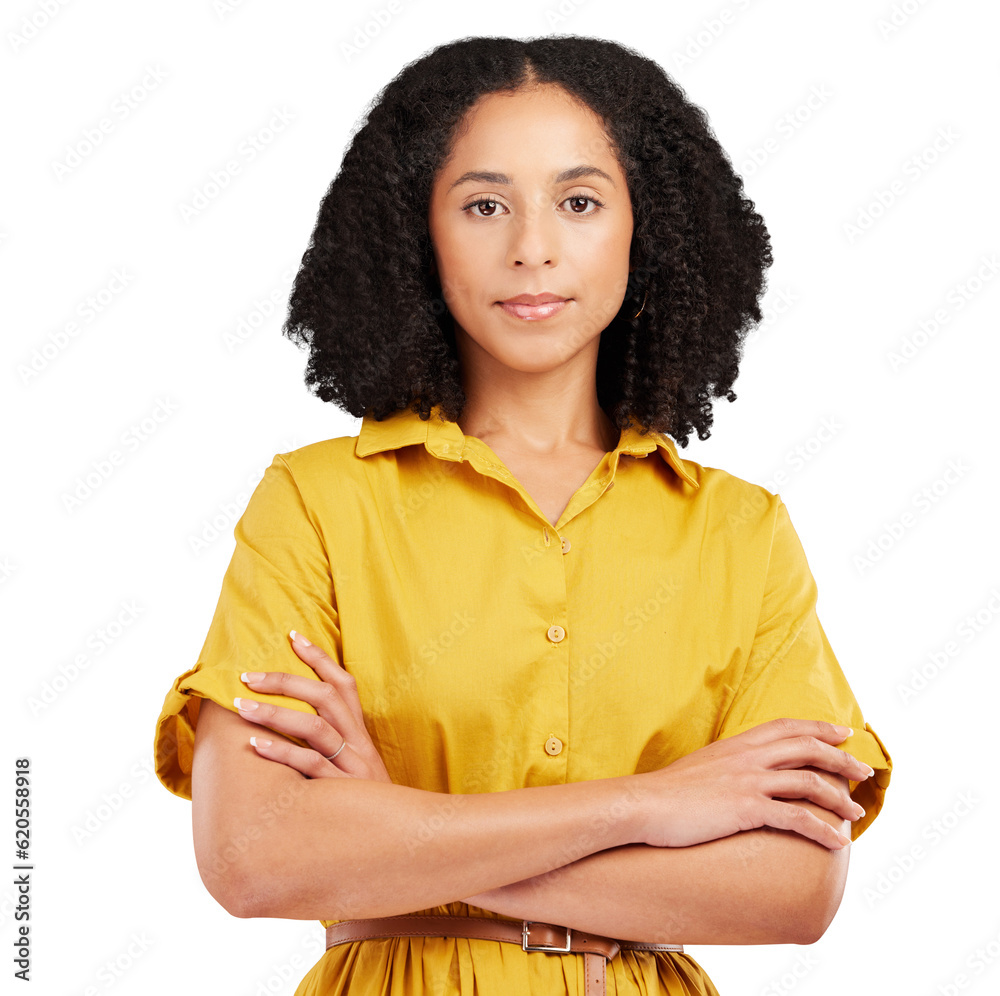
<point>279,579</point>
<point>792,671</point>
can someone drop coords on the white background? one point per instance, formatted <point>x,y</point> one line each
<point>909,106</point>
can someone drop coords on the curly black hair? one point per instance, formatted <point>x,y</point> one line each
<point>367,302</point>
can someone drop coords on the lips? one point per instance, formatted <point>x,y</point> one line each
<point>544,298</point>
<point>533,307</point>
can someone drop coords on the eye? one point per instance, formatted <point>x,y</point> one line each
<point>484,201</point>
<point>584,197</point>
<point>489,204</point>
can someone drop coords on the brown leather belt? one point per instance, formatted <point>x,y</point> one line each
<point>530,934</point>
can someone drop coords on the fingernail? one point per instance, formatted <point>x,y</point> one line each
<point>251,676</point>
<point>299,638</point>
<point>844,731</point>
<point>244,705</point>
<point>260,743</point>
<point>846,841</point>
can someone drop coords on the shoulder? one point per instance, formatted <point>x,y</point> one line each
<point>729,500</point>
<point>320,458</point>
<point>745,530</point>
<point>326,474</point>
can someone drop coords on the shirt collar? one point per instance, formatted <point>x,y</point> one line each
<point>445,439</point>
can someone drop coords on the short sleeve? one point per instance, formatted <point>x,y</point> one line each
<point>792,671</point>
<point>279,579</point>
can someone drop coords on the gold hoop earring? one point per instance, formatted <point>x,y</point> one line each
<point>639,312</point>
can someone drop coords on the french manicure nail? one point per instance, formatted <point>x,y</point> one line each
<point>299,638</point>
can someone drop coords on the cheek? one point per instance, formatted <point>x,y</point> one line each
<point>605,271</point>
<point>607,258</point>
<point>449,252</point>
<point>460,268</point>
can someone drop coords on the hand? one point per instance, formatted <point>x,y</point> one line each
<point>339,720</point>
<point>738,783</point>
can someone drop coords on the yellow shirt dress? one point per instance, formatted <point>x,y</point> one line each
<point>670,606</point>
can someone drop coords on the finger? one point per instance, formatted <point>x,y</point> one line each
<point>307,726</point>
<point>314,730</point>
<point>798,819</point>
<point>776,729</point>
<point>329,670</point>
<point>323,696</point>
<point>805,750</point>
<point>302,759</point>
<point>812,786</point>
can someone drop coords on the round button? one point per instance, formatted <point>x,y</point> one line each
<point>566,545</point>
<point>445,447</point>
<point>553,746</point>
<point>556,634</point>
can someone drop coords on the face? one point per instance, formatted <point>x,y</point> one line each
<point>531,202</point>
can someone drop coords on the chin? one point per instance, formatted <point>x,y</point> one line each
<point>540,358</point>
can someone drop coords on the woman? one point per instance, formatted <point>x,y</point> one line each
<point>570,683</point>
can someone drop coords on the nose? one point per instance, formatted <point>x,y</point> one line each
<point>534,236</point>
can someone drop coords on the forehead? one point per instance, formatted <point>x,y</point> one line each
<point>541,130</point>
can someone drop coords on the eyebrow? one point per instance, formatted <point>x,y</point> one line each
<point>502,179</point>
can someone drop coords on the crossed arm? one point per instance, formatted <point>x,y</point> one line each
<point>271,842</point>
<point>763,886</point>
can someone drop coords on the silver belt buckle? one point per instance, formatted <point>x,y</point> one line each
<point>526,926</point>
